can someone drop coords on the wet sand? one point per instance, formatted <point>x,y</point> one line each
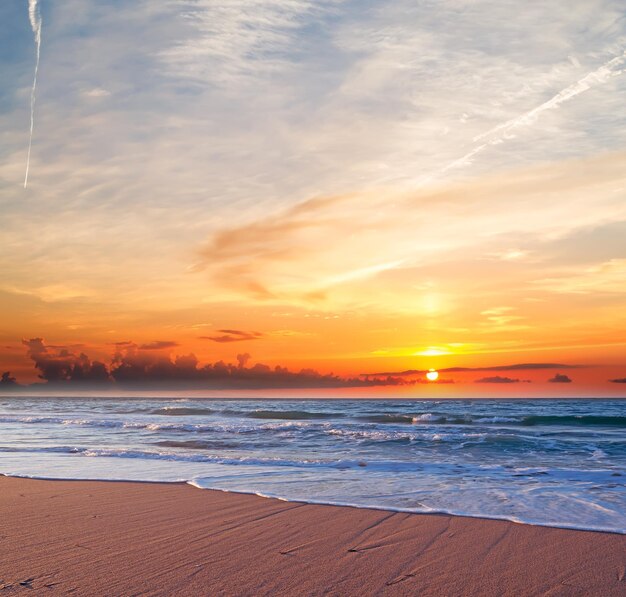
<point>115,538</point>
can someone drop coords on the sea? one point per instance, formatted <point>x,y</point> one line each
<point>559,463</point>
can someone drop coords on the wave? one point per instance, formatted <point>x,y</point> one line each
<point>181,457</point>
<point>291,415</point>
<point>606,475</point>
<point>181,411</point>
<point>216,427</point>
<point>371,435</point>
<point>430,419</point>
<point>305,420</point>
<point>196,444</point>
<point>425,437</point>
<point>386,418</point>
<point>34,420</point>
<point>575,420</point>
<point>524,421</point>
<point>44,450</point>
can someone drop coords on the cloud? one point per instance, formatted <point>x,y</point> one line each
<point>157,345</point>
<point>233,336</point>
<point>235,43</point>
<point>618,380</point>
<point>58,364</point>
<point>134,367</point>
<point>312,249</point>
<point>516,367</point>
<point>264,238</point>
<point>7,380</point>
<point>605,277</point>
<point>496,379</point>
<point>242,359</point>
<point>587,246</point>
<point>560,378</point>
<point>96,92</point>
<point>528,367</point>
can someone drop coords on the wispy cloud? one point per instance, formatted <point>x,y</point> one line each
<point>158,345</point>
<point>605,277</point>
<point>233,336</point>
<point>326,242</point>
<point>240,41</point>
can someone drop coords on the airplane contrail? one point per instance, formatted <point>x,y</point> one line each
<point>596,77</point>
<point>34,16</point>
<point>502,131</point>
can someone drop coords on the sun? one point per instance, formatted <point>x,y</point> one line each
<point>432,375</point>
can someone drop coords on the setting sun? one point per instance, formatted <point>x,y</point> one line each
<point>432,375</point>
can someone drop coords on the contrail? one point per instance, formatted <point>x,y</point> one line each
<point>502,132</point>
<point>596,77</point>
<point>34,17</point>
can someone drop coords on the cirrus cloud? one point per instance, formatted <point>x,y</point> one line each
<point>158,345</point>
<point>233,336</point>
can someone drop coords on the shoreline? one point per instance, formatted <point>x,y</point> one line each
<point>260,495</point>
<point>155,538</point>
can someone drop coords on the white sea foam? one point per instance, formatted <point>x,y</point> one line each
<point>426,417</point>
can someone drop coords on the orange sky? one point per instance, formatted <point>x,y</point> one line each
<point>479,274</point>
<point>350,191</point>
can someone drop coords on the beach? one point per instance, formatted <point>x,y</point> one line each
<point>127,538</point>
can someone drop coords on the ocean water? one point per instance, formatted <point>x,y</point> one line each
<point>548,462</point>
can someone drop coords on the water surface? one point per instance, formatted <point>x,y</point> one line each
<point>549,462</point>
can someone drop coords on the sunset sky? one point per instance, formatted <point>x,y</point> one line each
<point>350,187</point>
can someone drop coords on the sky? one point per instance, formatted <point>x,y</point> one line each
<point>336,189</point>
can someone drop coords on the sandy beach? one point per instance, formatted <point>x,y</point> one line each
<point>119,538</point>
